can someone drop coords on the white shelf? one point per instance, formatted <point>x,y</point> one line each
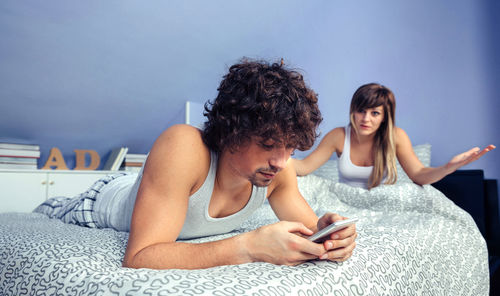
<point>59,171</point>
<point>24,190</point>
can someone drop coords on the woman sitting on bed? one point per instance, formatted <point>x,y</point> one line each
<point>372,143</point>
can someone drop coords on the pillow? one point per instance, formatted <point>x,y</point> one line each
<point>329,169</point>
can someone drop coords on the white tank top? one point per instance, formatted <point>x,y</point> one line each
<point>115,204</point>
<point>349,173</point>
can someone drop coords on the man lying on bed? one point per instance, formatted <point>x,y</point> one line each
<point>200,183</point>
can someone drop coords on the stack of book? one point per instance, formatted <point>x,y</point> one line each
<point>134,162</point>
<point>19,156</point>
<point>115,159</point>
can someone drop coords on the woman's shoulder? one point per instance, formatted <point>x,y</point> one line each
<point>338,135</point>
<point>402,139</point>
<point>338,132</point>
<point>399,133</point>
<point>335,139</point>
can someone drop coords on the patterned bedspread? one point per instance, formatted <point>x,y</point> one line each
<point>412,241</point>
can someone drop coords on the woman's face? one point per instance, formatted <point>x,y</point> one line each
<point>368,120</point>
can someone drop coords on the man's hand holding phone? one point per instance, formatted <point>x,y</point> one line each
<point>338,235</point>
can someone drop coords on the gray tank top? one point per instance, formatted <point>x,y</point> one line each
<point>349,173</point>
<point>116,202</point>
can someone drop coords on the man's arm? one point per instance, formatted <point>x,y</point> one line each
<point>286,200</point>
<point>289,205</point>
<point>176,167</point>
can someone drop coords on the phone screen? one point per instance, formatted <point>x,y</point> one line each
<point>338,225</point>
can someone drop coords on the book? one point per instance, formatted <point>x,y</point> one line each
<point>17,166</point>
<point>115,159</point>
<point>131,157</point>
<point>19,153</point>
<point>18,160</point>
<point>19,146</point>
<point>132,164</point>
<point>132,169</point>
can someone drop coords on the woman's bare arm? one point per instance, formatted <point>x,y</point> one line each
<point>331,142</point>
<point>421,174</point>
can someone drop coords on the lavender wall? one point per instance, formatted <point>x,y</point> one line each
<point>101,74</point>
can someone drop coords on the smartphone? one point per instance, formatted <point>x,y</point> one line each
<point>323,233</point>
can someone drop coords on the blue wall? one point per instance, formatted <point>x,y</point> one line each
<point>101,74</point>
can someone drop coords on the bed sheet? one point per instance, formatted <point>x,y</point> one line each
<point>412,241</point>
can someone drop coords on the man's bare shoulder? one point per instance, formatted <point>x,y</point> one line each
<point>179,152</point>
<point>181,139</point>
<point>180,134</point>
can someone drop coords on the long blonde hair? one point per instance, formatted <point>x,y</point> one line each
<point>372,95</point>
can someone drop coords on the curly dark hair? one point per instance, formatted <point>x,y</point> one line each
<point>268,101</point>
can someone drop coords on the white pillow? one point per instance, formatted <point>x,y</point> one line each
<point>330,170</point>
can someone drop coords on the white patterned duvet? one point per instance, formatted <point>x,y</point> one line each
<point>412,241</point>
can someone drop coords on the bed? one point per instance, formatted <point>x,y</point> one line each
<point>412,241</point>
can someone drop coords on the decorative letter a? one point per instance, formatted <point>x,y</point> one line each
<point>55,160</point>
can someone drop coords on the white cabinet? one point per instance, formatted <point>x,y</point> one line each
<point>23,190</point>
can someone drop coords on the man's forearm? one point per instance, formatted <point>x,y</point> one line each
<point>180,255</point>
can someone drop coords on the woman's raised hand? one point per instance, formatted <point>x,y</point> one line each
<point>467,157</point>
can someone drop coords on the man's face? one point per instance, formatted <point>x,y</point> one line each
<point>259,161</point>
